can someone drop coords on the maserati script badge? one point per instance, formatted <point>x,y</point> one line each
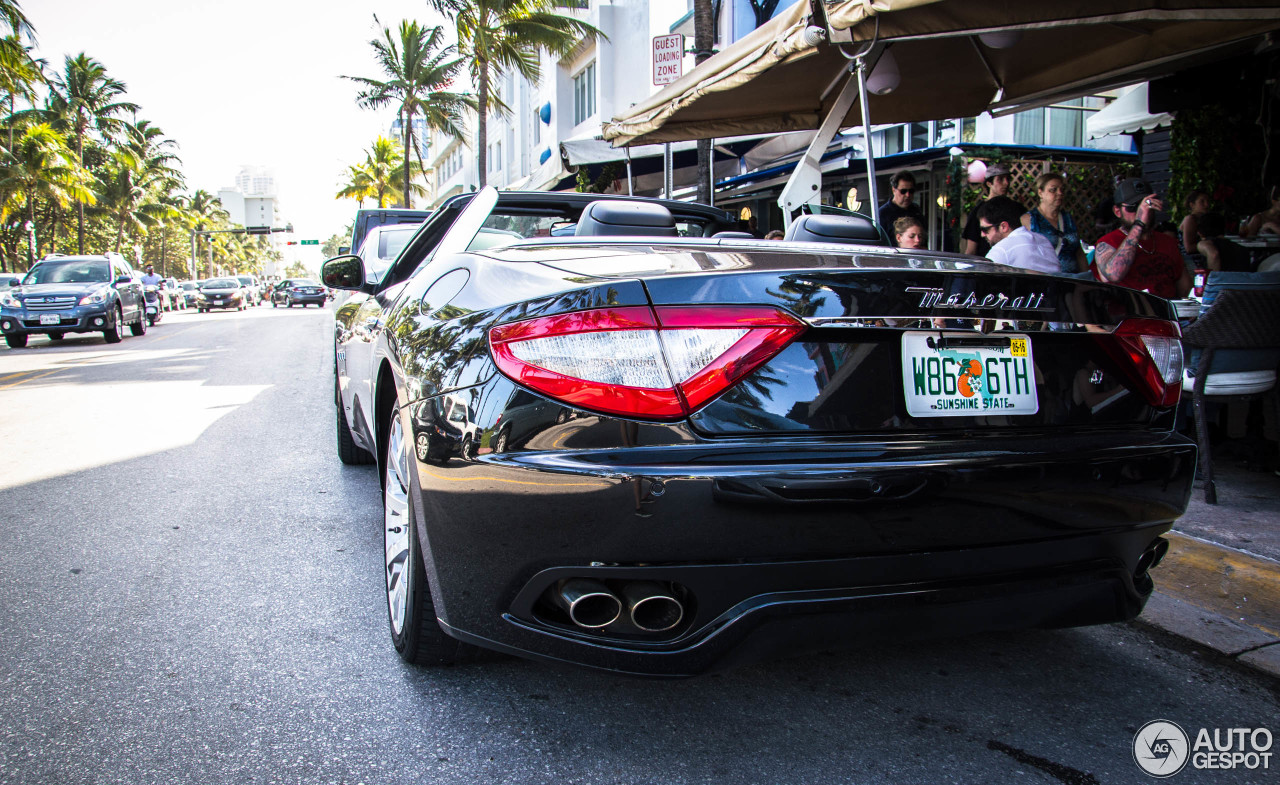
<point>933,298</point>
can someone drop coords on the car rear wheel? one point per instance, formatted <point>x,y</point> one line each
<point>140,327</point>
<point>111,334</point>
<point>415,632</point>
<point>16,341</point>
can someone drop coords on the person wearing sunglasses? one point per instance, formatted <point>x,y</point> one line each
<point>900,204</point>
<point>1136,256</point>
<point>1012,244</point>
<point>997,182</point>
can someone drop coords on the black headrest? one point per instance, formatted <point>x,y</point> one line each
<point>735,235</point>
<point>607,218</point>
<point>835,229</point>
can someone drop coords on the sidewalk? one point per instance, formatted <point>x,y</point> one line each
<point>1219,585</point>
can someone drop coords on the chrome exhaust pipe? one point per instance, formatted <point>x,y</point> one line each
<point>652,608</point>
<point>589,603</point>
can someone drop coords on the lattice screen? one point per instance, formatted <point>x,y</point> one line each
<point>1087,185</point>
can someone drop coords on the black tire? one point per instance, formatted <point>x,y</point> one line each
<point>418,638</point>
<point>16,340</point>
<point>500,442</point>
<point>275,304</point>
<point>57,336</point>
<point>111,333</point>
<point>140,327</point>
<point>349,452</point>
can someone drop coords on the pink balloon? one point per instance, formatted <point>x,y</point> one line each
<point>977,172</point>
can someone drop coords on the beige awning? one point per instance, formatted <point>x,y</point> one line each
<point>776,80</point>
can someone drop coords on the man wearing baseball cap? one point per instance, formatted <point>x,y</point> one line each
<point>998,185</point>
<point>1136,256</point>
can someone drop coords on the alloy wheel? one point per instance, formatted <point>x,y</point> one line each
<point>395,505</point>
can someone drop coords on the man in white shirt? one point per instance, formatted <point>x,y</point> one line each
<point>1000,221</point>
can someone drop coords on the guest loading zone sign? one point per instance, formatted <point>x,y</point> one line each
<point>668,56</point>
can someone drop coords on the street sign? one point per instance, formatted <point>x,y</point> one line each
<point>668,58</point>
<point>308,242</point>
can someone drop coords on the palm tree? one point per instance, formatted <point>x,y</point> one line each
<point>86,99</point>
<point>419,69</point>
<point>12,16</point>
<point>40,166</point>
<point>205,212</point>
<point>377,176</point>
<point>19,75</point>
<point>498,36</point>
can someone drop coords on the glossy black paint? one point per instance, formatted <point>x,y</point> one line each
<point>801,509</point>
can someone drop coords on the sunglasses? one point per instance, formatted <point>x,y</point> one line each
<point>906,191</point>
<point>985,229</point>
<point>1130,208</point>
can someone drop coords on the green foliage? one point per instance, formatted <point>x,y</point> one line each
<point>329,248</point>
<point>297,270</point>
<point>1216,148</point>
<point>608,173</point>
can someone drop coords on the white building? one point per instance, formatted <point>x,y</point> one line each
<point>253,201</point>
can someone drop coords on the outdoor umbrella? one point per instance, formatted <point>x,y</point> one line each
<point>955,58</point>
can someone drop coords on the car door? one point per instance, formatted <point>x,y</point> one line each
<point>359,322</point>
<point>131,297</point>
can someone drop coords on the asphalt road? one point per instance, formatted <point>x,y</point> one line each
<point>190,592</point>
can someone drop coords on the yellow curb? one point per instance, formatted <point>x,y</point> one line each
<point>1236,585</point>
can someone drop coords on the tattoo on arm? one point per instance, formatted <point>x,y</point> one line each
<point>1114,263</point>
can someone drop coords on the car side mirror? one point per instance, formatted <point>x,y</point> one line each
<point>123,279</point>
<point>343,272</point>
<point>15,281</point>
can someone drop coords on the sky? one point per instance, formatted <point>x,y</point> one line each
<point>240,82</point>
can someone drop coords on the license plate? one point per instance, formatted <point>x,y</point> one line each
<point>50,318</point>
<point>963,375</point>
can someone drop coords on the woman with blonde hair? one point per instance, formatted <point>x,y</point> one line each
<point>909,232</point>
<point>1049,219</point>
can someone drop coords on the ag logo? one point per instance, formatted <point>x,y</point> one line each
<point>1160,748</point>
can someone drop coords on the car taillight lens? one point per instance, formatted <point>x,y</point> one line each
<point>1152,349</point>
<point>661,364</point>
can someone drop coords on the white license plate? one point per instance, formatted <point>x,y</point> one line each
<point>947,375</point>
<point>50,318</point>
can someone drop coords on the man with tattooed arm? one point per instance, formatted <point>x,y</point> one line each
<point>1135,255</point>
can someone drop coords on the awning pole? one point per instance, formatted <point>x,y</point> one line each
<point>867,151</point>
<point>628,151</point>
<point>712,189</point>
<point>666,171</point>
<point>805,183</point>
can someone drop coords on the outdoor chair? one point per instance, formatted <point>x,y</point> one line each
<point>1238,319</point>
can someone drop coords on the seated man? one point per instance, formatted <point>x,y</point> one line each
<point>1000,221</point>
<point>1134,255</point>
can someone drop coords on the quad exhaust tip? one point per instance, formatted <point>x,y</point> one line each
<point>652,608</point>
<point>591,605</point>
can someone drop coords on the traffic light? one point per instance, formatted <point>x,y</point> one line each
<point>291,242</point>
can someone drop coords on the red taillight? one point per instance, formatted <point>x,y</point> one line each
<point>1152,349</point>
<point>658,364</point>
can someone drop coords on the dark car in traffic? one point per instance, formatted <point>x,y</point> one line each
<point>769,447</point>
<point>73,294</point>
<point>223,294</point>
<point>298,291</point>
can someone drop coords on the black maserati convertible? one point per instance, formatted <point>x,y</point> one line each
<point>617,433</point>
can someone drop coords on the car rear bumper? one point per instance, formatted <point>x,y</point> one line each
<point>315,299</point>
<point>781,548</point>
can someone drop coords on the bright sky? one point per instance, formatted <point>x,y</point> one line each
<point>243,82</point>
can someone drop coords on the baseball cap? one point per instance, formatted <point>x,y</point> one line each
<point>1131,190</point>
<point>996,170</point>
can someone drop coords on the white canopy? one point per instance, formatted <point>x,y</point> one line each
<point>1126,115</point>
